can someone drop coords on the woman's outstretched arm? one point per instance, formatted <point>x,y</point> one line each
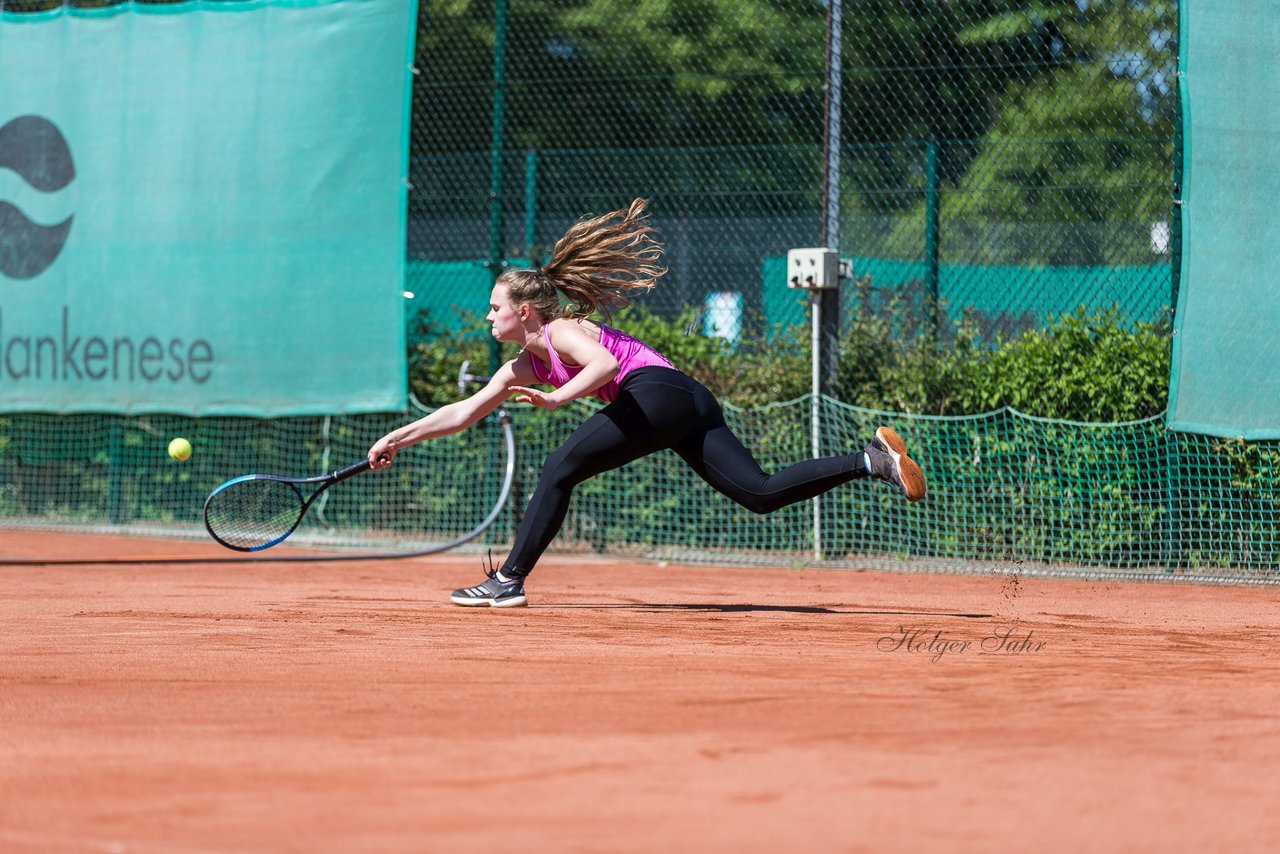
<point>453,417</point>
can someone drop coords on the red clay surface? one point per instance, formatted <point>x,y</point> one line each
<point>350,707</point>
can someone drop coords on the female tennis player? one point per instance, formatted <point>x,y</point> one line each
<point>651,404</point>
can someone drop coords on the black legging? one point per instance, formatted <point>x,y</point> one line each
<point>662,408</point>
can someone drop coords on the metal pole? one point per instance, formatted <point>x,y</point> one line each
<point>116,472</point>
<point>1173,461</point>
<point>831,134</point>
<point>826,302</point>
<point>531,208</point>
<point>832,145</point>
<point>815,411</point>
<point>931,227</point>
<point>496,145</point>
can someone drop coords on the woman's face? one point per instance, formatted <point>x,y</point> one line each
<point>503,317</point>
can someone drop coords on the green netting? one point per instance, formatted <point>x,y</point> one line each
<point>112,474</point>
<point>172,189</point>
<point>1007,492</point>
<point>446,293</point>
<point>1224,380</point>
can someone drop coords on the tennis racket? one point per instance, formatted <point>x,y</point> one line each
<point>256,511</point>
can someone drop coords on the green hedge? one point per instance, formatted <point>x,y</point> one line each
<point>1047,448</point>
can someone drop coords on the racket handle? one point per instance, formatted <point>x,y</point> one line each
<point>350,471</point>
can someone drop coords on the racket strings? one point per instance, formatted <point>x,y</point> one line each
<point>255,513</point>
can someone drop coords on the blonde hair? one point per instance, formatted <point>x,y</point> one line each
<point>597,263</point>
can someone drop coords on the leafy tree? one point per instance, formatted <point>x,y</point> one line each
<point>599,74</point>
<point>656,97</point>
<point>914,73</point>
<point>1086,146</point>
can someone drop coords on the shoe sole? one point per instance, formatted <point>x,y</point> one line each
<point>909,472</point>
<point>511,602</point>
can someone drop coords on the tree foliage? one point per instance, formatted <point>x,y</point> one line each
<point>1055,112</point>
<point>1086,146</point>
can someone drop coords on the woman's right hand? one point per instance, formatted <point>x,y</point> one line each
<point>382,452</point>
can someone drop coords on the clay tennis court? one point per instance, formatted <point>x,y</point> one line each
<point>350,707</point>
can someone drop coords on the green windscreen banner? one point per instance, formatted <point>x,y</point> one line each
<point>1225,378</point>
<point>202,207</point>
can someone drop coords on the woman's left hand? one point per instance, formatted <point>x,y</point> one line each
<point>524,394</point>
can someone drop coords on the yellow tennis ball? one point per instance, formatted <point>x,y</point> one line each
<point>180,449</point>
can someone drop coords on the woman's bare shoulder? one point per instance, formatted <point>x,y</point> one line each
<point>563,325</point>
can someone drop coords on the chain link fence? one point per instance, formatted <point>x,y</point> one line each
<point>1010,160</point>
<point>1004,161</point>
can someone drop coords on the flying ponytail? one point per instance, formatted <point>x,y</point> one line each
<point>595,266</point>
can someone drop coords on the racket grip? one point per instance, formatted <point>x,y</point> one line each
<point>350,471</point>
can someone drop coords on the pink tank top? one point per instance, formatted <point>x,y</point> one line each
<point>630,353</point>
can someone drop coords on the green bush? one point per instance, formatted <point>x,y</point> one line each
<point>435,356</point>
<point>757,370</point>
<point>1086,367</point>
<point>887,364</point>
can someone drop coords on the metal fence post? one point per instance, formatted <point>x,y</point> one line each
<point>931,235</point>
<point>532,254</point>
<point>826,302</point>
<point>496,149</point>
